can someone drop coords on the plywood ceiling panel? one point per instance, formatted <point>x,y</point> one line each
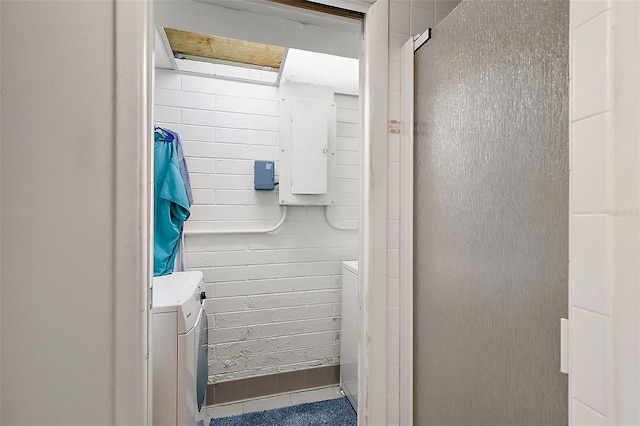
<point>224,49</point>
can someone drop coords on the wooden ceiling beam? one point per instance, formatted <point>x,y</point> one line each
<point>323,8</point>
<point>225,49</point>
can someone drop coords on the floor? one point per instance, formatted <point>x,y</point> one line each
<point>272,402</point>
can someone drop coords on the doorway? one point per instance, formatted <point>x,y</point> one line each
<point>369,133</point>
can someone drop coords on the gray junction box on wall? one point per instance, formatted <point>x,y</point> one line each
<point>264,175</point>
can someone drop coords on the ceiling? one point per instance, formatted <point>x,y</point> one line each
<point>313,55</point>
<point>274,8</point>
<point>263,22</point>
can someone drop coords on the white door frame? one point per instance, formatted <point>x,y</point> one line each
<point>372,365</point>
<point>133,224</point>
<point>372,234</point>
<point>135,99</point>
<point>406,231</point>
<point>407,120</point>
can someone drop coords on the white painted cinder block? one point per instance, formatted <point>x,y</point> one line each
<point>204,196</point>
<point>221,335</point>
<point>321,352</point>
<point>167,80</point>
<point>227,273</point>
<point>345,143</point>
<point>190,133</point>
<point>199,84</point>
<point>294,327</point>
<point>202,165</point>
<point>247,106</point>
<point>268,316</point>
<point>246,137</point>
<point>271,241</point>
<point>267,301</point>
<point>305,340</point>
<point>275,358</point>
<point>348,115</point>
<point>176,98</point>
<point>273,299</point>
<point>166,114</point>
<point>200,259</point>
<point>229,304</point>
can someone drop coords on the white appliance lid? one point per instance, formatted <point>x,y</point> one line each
<point>351,265</point>
<point>179,292</point>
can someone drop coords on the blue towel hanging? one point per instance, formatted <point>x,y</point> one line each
<point>171,204</point>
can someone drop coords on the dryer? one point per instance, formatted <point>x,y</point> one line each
<point>179,349</point>
<point>349,332</point>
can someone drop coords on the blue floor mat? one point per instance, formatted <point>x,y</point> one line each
<point>333,412</point>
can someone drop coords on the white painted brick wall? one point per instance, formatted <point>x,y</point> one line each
<point>273,300</point>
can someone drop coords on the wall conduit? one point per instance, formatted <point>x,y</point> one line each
<point>241,231</point>
<point>339,228</point>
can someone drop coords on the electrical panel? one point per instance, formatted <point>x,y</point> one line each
<point>307,146</point>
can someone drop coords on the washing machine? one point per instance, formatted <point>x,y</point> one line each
<point>179,349</point>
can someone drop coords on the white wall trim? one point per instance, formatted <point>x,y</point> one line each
<point>406,232</point>
<point>569,213</point>
<point>133,49</point>
<point>0,233</point>
<point>355,5</point>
